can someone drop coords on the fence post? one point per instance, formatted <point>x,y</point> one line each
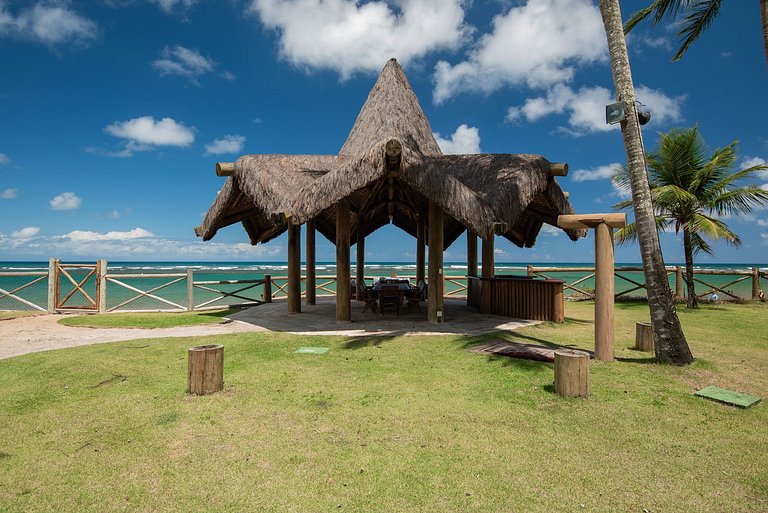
<point>679,283</point>
<point>52,285</point>
<point>267,288</point>
<point>190,290</point>
<point>101,275</point>
<point>530,270</point>
<point>755,282</point>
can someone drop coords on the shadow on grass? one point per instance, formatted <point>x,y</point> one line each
<point>369,341</point>
<point>645,360</point>
<point>220,314</point>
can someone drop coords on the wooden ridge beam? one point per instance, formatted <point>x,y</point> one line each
<point>558,169</point>
<point>581,221</point>
<point>225,168</point>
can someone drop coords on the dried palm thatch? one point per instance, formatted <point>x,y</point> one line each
<point>390,168</point>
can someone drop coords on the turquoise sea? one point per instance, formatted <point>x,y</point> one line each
<point>222,272</point>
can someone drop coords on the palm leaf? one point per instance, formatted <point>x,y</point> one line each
<point>703,13</point>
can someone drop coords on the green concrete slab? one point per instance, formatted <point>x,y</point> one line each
<point>312,350</point>
<point>726,396</point>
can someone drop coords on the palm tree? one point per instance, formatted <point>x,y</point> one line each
<point>693,191</point>
<point>670,346</point>
<point>699,16</point>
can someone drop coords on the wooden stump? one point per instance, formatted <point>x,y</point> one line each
<point>571,373</point>
<point>205,373</point>
<point>644,336</point>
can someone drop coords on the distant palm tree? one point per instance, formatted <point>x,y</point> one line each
<point>694,191</point>
<point>699,14</point>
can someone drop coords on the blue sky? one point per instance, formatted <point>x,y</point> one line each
<point>114,112</point>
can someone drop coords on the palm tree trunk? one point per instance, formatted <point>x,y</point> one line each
<point>693,301</point>
<point>764,17</point>
<point>671,346</point>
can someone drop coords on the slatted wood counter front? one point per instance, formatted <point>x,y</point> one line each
<point>521,296</point>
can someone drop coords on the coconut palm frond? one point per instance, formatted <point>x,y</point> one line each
<point>660,8</point>
<point>698,245</point>
<point>673,198</point>
<point>712,228</point>
<point>702,14</point>
<point>629,232</point>
<point>741,200</point>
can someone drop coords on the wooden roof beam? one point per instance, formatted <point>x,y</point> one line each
<point>225,168</point>
<point>581,221</point>
<point>558,169</point>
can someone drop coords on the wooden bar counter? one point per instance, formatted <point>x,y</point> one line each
<point>522,297</point>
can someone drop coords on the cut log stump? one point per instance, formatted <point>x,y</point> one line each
<point>572,373</point>
<point>644,336</point>
<point>205,372</point>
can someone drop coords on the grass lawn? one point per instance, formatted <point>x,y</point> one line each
<point>12,314</point>
<point>146,319</point>
<point>406,424</point>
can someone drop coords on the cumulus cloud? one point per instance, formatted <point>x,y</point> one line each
<point>48,23</point>
<point>756,161</point>
<point>348,36</point>
<point>66,201</point>
<point>187,63</point>
<point>146,131</point>
<point>552,231</point>
<point>466,139</point>
<point>26,233</point>
<point>538,44</point>
<point>89,236</point>
<point>586,107</point>
<point>596,173</point>
<point>9,193</point>
<point>227,144</point>
<point>4,160</point>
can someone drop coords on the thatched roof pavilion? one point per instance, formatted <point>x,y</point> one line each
<point>391,170</point>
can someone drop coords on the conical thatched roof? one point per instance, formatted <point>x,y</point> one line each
<point>389,168</point>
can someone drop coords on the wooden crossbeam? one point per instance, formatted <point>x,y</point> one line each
<point>223,294</point>
<point>148,293</point>
<point>11,294</point>
<point>78,287</point>
<point>714,288</point>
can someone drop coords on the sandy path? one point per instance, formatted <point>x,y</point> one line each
<point>42,333</point>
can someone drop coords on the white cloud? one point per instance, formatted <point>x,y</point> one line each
<point>538,44</point>
<point>4,160</point>
<point>89,236</point>
<point>552,231</point>
<point>350,36</point>
<point>755,161</point>
<point>762,222</point>
<point>146,131</point>
<point>9,193</point>
<point>227,144</point>
<point>26,233</point>
<point>586,107</point>
<point>596,173</point>
<point>48,23</point>
<point>183,62</point>
<point>66,201</point>
<point>466,139</point>
<point>168,6</point>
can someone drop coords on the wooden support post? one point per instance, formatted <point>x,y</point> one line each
<point>604,291</point>
<point>205,369</point>
<point>471,261</point>
<point>486,292</point>
<point>343,304</point>
<point>52,263</point>
<point>679,283</point>
<point>420,249</point>
<point>311,285</point>
<point>294,268</point>
<point>529,268</point>
<point>360,263</point>
<point>190,290</point>
<point>644,336</point>
<point>572,373</point>
<point>267,288</point>
<point>101,287</point>
<point>435,282</point>
<point>755,283</point>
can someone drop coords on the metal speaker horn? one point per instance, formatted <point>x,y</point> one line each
<point>643,116</point>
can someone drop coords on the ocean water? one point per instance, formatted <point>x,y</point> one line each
<point>173,291</point>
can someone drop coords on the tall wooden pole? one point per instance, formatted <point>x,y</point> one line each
<point>604,290</point>
<point>420,247</point>
<point>488,273</point>
<point>435,282</point>
<point>294,268</point>
<point>311,286</point>
<point>343,304</point>
<point>471,261</point>
<point>360,259</point>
